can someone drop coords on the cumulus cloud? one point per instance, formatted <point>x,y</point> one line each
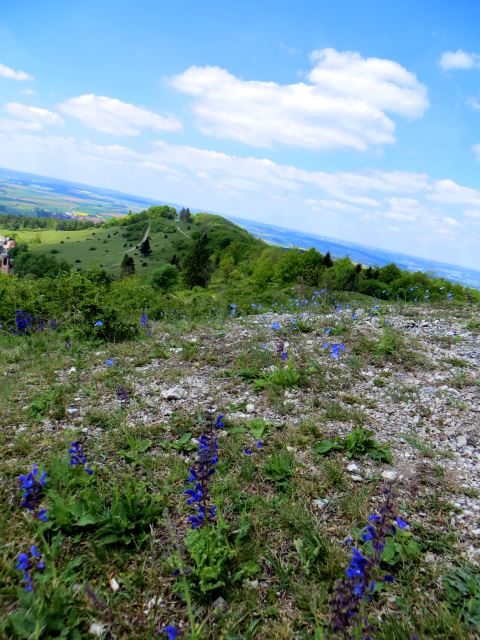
<point>459,60</point>
<point>33,115</point>
<point>449,192</point>
<point>344,104</point>
<point>11,74</point>
<point>113,116</point>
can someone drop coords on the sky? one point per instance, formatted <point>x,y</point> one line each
<point>354,120</point>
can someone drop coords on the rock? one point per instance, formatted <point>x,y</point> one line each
<point>352,467</point>
<point>461,441</point>
<point>175,393</point>
<point>357,478</point>
<point>250,408</point>
<point>97,629</point>
<point>321,502</point>
<point>390,476</point>
<point>72,410</point>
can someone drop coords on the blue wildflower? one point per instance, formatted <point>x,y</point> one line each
<point>363,573</point>
<point>28,562</point>
<point>144,320</point>
<point>23,321</point>
<point>233,310</point>
<point>247,451</point>
<point>401,523</point>
<point>98,323</point>
<point>77,456</point>
<point>201,473</point>
<point>109,362</point>
<point>450,296</point>
<point>336,348</point>
<point>172,632</point>
<point>275,326</point>
<point>32,495</point>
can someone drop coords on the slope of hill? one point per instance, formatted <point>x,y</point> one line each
<point>104,246</point>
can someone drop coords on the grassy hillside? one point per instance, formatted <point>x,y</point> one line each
<point>105,245</point>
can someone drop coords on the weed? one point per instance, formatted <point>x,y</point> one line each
<point>357,443</point>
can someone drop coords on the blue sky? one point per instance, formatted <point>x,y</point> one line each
<point>355,120</point>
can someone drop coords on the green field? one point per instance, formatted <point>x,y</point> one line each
<point>102,247</point>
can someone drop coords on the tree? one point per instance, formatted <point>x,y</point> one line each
<point>327,260</point>
<point>197,268</point>
<point>127,268</point>
<point>145,248</point>
<point>185,215</point>
<point>389,273</point>
<point>165,277</point>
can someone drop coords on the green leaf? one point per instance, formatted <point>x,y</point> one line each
<point>325,446</point>
<point>86,519</point>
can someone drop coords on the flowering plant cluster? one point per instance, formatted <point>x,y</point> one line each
<point>78,457</point>
<point>25,323</point>
<point>202,471</point>
<point>363,575</point>
<point>32,495</point>
<point>335,349</point>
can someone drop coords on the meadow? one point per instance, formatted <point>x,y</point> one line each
<point>316,416</point>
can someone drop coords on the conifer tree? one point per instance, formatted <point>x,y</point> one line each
<point>127,268</point>
<point>327,260</point>
<point>145,248</point>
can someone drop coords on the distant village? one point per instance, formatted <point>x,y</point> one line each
<point>6,245</point>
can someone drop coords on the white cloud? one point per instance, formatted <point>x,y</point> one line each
<point>459,60</point>
<point>343,105</point>
<point>8,125</point>
<point>449,192</point>
<point>34,115</point>
<point>113,116</point>
<point>11,74</point>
